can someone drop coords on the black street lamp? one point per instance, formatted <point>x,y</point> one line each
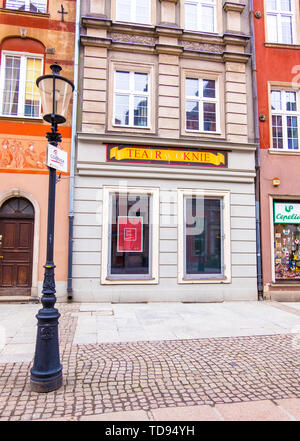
<point>46,373</point>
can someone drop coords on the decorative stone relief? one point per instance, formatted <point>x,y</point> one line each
<point>206,47</point>
<point>128,38</point>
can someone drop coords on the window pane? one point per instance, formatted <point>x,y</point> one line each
<point>292,132</point>
<point>122,80</point>
<point>140,82</point>
<point>285,5</point>
<point>286,29</point>
<point>276,100</point>
<point>122,110</point>
<point>123,10</point>
<point>272,28</point>
<point>39,6</point>
<point>11,85</point>
<point>291,104</point>
<point>192,115</point>
<point>190,12</point>
<point>207,14</point>
<point>140,111</point>
<point>130,234</point>
<point>209,88</point>
<point>271,5</point>
<point>209,116</point>
<point>277,132</point>
<point>203,236</point>
<point>142,11</point>
<point>32,95</point>
<point>192,87</point>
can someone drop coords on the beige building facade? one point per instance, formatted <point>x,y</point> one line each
<point>164,195</point>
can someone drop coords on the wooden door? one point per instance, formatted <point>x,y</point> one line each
<point>16,251</point>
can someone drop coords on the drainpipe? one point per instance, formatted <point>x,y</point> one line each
<point>257,156</point>
<point>73,147</point>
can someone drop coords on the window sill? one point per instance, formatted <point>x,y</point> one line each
<point>282,45</point>
<point>284,152</point>
<point>202,281</point>
<point>108,281</point>
<point>21,118</point>
<point>30,13</point>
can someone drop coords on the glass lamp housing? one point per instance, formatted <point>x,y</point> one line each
<point>56,92</point>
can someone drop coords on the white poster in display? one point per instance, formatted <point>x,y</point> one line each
<point>57,158</point>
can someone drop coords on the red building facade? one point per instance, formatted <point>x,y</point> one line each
<point>277,50</point>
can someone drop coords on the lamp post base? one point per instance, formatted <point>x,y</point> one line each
<point>46,385</point>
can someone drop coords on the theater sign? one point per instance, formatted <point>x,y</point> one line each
<point>162,155</point>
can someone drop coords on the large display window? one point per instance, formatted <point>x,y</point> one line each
<point>130,235</point>
<point>204,236</point>
<point>287,240</point>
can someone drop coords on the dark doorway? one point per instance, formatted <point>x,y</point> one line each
<point>16,246</point>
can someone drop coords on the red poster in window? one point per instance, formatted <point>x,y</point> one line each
<point>130,234</point>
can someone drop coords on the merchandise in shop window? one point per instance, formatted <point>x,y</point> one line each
<point>287,251</point>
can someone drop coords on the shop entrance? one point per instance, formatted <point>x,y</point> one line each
<point>287,241</point>
<point>16,246</point>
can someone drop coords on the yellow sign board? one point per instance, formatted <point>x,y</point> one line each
<point>210,158</point>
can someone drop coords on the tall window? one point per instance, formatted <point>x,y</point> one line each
<point>200,15</point>
<point>131,99</point>
<point>201,105</point>
<point>285,119</point>
<point>203,241</point>
<point>19,93</point>
<point>130,235</point>
<point>39,6</point>
<point>134,11</point>
<point>280,21</point>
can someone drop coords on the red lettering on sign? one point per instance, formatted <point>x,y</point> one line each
<point>186,156</point>
<point>196,156</point>
<point>145,155</point>
<point>158,154</point>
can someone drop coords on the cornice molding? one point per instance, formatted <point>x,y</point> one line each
<point>236,7</point>
<point>113,138</point>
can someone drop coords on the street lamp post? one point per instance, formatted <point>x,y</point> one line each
<point>46,373</point>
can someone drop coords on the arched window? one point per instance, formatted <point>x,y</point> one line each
<point>39,6</point>
<point>17,207</point>
<point>21,64</point>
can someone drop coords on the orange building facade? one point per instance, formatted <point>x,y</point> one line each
<point>277,46</point>
<point>33,35</point>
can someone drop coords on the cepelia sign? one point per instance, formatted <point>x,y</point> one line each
<point>130,234</point>
<point>57,158</point>
<point>286,213</point>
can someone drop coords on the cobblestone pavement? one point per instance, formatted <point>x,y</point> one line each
<point>145,376</point>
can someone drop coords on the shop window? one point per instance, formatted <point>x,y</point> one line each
<point>131,99</point>
<point>206,247</point>
<point>38,6</point>
<point>280,21</point>
<point>19,94</point>
<point>287,240</point>
<point>132,241</point>
<point>200,15</point>
<point>285,119</point>
<point>201,105</point>
<point>133,11</point>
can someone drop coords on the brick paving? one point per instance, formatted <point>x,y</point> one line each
<point>145,376</point>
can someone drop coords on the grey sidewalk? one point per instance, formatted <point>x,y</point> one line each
<point>111,323</point>
<point>157,362</point>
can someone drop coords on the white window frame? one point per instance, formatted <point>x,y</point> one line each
<point>132,94</point>
<point>22,88</point>
<point>225,225</point>
<point>201,100</point>
<point>133,5</point>
<point>154,236</point>
<point>279,15</point>
<point>15,4</point>
<point>200,4</point>
<point>284,114</point>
